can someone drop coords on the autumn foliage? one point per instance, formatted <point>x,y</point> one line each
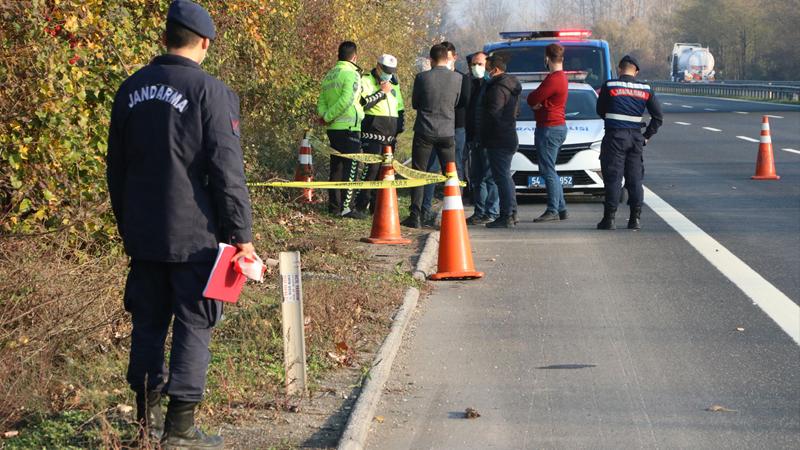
<point>61,62</point>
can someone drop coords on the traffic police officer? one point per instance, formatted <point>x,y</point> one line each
<point>383,120</point>
<point>621,104</point>
<point>339,107</point>
<point>176,179</point>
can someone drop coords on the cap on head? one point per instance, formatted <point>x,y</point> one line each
<point>388,63</point>
<point>628,59</point>
<point>192,16</point>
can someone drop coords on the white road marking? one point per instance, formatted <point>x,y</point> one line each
<point>791,150</point>
<point>748,139</point>
<point>711,129</point>
<point>783,106</point>
<point>741,112</point>
<point>774,117</point>
<point>687,106</point>
<point>772,301</point>
<point>683,123</point>
<point>710,109</point>
<point>668,103</point>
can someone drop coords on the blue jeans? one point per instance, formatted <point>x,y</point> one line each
<point>484,189</point>
<point>500,163</point>
<point>548,142</point>
<point>434,167</point>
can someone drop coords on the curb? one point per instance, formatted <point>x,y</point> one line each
<point>355,433</point>
<point>427,258</point>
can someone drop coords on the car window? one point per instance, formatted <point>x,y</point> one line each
<point>581,105</point>
<point>576,58</point>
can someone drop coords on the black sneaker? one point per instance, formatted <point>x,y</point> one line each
<point>429,221</point>
<point>501,222</point>
<point>546,217</point>
<point>476,219</point>
<point>357,214</point>
<point>412,222</point>
<point>563,215</point>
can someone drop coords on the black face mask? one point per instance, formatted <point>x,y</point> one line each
<point>546,64</point>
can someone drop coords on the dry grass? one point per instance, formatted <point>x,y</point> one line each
<point>64,335</point>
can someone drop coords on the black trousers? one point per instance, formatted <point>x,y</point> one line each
<point>366,197</point>
<point>621,155</point>
<point>342,169</point>
<point>158,294</point>
<point>445,148</point>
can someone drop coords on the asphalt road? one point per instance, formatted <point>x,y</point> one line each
<point>578,338</point>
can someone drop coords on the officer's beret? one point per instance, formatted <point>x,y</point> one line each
<point>630,60</point>
<point>192,16</point>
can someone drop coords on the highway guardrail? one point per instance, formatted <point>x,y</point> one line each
<point>757,91</point>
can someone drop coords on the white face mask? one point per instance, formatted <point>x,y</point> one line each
<point>478,71</point>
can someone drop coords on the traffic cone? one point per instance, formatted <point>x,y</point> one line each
<point>455,252</point>
<point>765,165</point>
<point>305,170</point>
<point>386,219</point>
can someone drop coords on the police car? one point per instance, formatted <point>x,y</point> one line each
<point>578,163</point>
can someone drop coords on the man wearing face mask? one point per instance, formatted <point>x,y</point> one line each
<point>176,180</point>
<point>499,135</point>
<point>384,119</point>
<point>484,189</point>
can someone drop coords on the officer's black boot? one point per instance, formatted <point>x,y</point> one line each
<point>149,415</point>
<point>633,221</point>
<point>180,432</point>
<point>412,221</point>
<point>608,219</point>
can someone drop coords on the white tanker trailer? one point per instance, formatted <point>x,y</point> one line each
<point>692,63</point>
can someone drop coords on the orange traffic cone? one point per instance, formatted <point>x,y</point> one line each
<point>305,170</point>
<point>765,165</point>
<point>386,220</point>
<point>455,253</point>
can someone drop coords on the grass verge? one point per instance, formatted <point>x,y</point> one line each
<point>64,336</point>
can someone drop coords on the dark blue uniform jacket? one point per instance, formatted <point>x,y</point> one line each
<point>623,101</point>
<point>174,165</point>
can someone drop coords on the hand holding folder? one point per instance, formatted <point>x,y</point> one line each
<point>227,277</point>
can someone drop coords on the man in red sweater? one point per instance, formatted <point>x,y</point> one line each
<point>548,102</point>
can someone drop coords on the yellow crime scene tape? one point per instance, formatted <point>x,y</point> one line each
<point>415,178</point>
<point>346,184</point>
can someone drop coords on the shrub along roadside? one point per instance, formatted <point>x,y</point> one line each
<point>64,336</point>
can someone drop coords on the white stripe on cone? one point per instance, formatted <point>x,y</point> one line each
<point>765,127</point>
<point>305,159</point>
<point>766,140</point>
<point>452,203</point>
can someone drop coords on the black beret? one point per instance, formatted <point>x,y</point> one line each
<point>192,16</point>
<point>630,60</point>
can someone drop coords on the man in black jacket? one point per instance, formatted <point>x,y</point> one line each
<point>435,96</point>
<point>499,135</point>
<point>482,185</point>
<point>176,179</point>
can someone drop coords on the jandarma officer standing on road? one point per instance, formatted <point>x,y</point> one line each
<point>621,104</point>
<point>339,107</point>
<point>177,185</point>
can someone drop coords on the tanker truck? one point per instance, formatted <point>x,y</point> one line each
<point>692,63</point>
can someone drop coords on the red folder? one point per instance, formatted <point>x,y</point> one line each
<point>224,283</point>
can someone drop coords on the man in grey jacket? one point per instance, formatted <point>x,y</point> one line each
<point>435,96</point>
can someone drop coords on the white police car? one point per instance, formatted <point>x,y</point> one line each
<point>578,163</point>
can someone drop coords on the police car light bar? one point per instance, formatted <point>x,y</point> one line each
<point>528,35</point>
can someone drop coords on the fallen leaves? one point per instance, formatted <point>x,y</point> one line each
<point>379,419</point>
<point>344,355</point>
<point>471,413</point>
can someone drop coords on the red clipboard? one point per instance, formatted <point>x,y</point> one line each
<point>225,283</point>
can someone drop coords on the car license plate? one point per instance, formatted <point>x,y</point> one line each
<point>537,182</point>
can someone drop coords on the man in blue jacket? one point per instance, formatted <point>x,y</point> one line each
<point>176,179</point>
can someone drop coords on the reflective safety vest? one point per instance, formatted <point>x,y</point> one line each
<point>339,104</point>
<point>382,110</point>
